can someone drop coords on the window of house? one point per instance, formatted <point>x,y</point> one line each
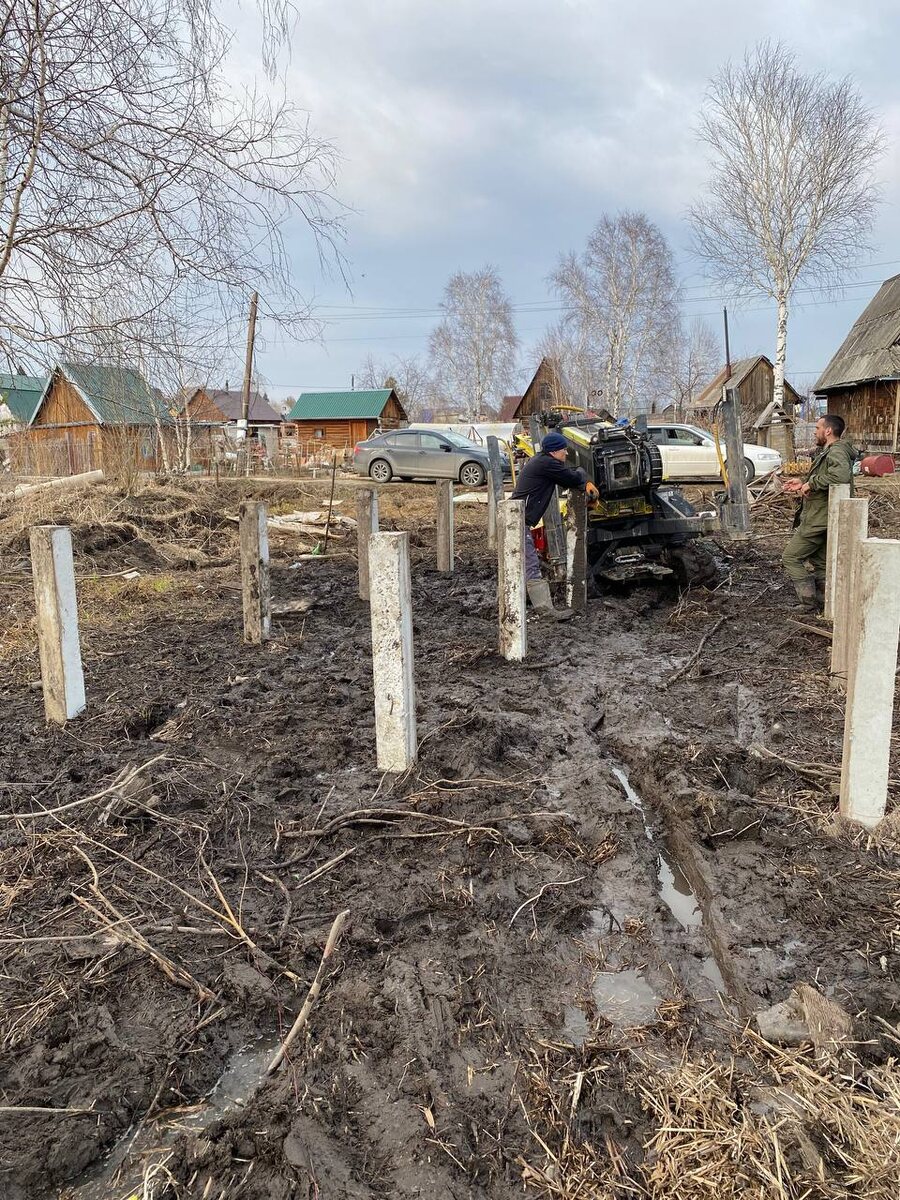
<point>545,392</point>
<point>319,433</point>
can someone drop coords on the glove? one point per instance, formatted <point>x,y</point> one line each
<point>591,491</point>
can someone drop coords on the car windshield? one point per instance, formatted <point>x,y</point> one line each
<point>457,439</point>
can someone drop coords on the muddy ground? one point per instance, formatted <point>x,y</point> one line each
<point>559,922</point>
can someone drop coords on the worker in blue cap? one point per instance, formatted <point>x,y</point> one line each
<point>537,479</point>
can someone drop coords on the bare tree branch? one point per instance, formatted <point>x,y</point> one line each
<point>134,182</point>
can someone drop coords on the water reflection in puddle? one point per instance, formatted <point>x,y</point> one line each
<point>674,890</point>
<point>237,1084</point>
<point>710,971</point>
<point>625,997</point>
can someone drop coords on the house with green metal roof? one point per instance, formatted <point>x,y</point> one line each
<point>19,396</point>
<point>341,419</point>
<point>92,416</point>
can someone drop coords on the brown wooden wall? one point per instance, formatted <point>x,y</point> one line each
<point>392,415</point>
<point>77,448</point>
<point>868,410</point>
<point>200,407</point>
<point>337,433</point>
<point>545,391</point>
<point>63,406</point>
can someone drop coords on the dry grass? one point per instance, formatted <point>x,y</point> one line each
<point>759,1122</point>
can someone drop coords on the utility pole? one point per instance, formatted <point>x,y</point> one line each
<point>248,372</point>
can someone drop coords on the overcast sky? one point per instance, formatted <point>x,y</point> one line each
<point>499,131</point>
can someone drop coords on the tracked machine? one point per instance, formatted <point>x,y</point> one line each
<point>641,526</point>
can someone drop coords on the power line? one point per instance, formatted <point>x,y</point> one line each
<point>536,308</point>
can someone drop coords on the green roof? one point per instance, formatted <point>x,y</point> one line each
<point>332,406</point>
<point>117,395</point>
<point>20,394</point>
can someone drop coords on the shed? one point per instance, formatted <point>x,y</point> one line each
<point>754,378</point>
<point>93,416</point>
<point>862,381</point>
<point>341,419</point>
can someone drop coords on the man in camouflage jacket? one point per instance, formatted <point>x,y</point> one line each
<point>833,464</point>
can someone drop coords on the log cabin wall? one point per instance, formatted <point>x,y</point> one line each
<point>340,434</point>
<point>868,408</point>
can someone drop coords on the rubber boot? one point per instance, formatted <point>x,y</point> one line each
<point>820,594</point>
<point>539,595</point>
<point>806,596</point>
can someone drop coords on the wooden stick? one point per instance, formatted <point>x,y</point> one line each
<point>330,502</point>
<point>315,988</point>
<point>690,662</point>
<point>825,633</point>
<point>63,1112</point>
<point>545,887</point>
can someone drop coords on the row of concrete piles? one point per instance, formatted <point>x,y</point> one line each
<point>862,598</point>
<point>862,588</point>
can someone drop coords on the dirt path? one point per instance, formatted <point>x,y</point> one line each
<point>571,906</point>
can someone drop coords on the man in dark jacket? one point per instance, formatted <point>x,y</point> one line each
<point>833,464</point>
<point>537,479</point>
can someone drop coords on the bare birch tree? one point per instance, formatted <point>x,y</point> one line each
<point>409,375</point>
<point>621,297</point>
<point>472,352</point>
<point>130,169</point>
<point>792,191</point>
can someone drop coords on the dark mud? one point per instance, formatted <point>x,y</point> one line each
<point>507,907</point>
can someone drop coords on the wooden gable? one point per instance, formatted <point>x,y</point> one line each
<point>202,408</point>
<point>62,405</point>
<point>393,413</point>
<point>545,391</point>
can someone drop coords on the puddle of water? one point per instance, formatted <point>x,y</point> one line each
<point>674,889</point>
<point>242,1077</point>
<point>625,998</point>
<point>675,892</point>
<point>710,971</point>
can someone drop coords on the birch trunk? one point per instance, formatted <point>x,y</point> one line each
<point>780,352</point>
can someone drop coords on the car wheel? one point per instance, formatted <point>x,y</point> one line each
<point>472,474</point>
<point>380,470</point>
<point>749,470</point>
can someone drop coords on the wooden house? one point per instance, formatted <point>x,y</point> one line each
<point>341,419</point>
<point>754,378</point>
<point>546,390</point>
<point>862,381</point>
<point>221,406</point>
<point>93,417</point>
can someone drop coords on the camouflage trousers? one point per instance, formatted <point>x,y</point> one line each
<point>805,545</point>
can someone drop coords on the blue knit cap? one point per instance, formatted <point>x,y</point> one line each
<point>554,441</point>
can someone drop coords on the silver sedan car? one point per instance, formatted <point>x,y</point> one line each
<point>423,454</point>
